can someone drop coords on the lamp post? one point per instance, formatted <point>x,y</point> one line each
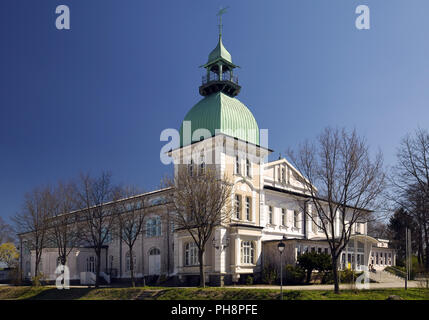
<point>281,248</point>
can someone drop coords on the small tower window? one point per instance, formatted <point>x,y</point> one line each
<point>248,168</point>
<point>237,165</point>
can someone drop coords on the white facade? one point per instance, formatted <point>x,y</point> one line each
<point>270,208</point>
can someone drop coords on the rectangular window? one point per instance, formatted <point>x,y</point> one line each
<point>283,217</point>
<point>237,165</point>
<point>270,215</point>
<point>248,168</point>
<point>237,206</point>
<point>248,208</point>
<point>296,219</point>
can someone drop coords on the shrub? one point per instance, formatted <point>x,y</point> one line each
<point>310,261</point>
<point>249,280</point>
<point>294,274</point>
<point>349,276</point>
<point>37,280</point>
<point>270,274</point>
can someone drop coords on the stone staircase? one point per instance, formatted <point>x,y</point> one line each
<point>382,276</point>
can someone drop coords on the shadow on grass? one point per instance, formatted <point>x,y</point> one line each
<point>55,294</point>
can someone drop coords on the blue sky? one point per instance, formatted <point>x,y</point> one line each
<point>97,97</point>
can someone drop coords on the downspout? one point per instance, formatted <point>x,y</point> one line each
<point>305,219</point>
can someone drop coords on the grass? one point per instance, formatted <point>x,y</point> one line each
<point>50,293</point>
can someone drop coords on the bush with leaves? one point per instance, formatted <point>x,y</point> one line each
<point>269,274</point>
<point>294,274</point>
<point>310,261</point>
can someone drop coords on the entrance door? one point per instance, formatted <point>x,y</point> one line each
<point>154,262</point>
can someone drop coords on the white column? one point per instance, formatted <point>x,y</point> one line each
<point>237,250</point>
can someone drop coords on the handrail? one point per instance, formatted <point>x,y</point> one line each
<point>215,77</point>
<point>403,274</point>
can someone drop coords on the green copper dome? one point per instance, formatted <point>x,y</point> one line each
<point>229,115</point>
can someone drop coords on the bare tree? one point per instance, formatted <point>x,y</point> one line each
<point>131,213</point>
<point>6,232</point>
<point>342,185</point>
<point>32,222</point>
<point>63,230</point>
<point>200,202</point>
<point>410,182</point>
<point>95,197</point>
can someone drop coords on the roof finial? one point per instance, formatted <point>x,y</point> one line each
<point>220,13</point>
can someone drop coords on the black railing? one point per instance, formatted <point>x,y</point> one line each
<point>215,77</point>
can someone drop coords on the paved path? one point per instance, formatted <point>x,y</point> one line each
<point>411,284</point>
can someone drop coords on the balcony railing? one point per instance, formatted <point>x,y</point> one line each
<point>215,77</point>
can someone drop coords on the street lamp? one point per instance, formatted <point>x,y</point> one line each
<point>281,247</point>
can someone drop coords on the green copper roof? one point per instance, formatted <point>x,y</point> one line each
<point>229,115</point>
<point>219,52</point>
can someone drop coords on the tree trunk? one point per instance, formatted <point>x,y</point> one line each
<point>200,259</point>
<point>335,274</point>
<point>133,284</point>
<point>97,268</point>
<point>427,248</point>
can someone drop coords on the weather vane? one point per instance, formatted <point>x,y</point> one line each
<point>220,13</point>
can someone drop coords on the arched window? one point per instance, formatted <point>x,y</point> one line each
<point>128,261</point>
<point>247,252</point>
<point>191,254</point>
<point>153,227</point>
<point>154,252</point>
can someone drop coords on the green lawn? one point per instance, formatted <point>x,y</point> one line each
<point>50,293</point>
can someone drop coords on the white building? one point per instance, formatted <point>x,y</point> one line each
<point>268,196</point>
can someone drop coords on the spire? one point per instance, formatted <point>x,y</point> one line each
<point>220,13</point>
<point>219,68</point>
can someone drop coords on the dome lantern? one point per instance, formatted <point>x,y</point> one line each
<point>219,69</point>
